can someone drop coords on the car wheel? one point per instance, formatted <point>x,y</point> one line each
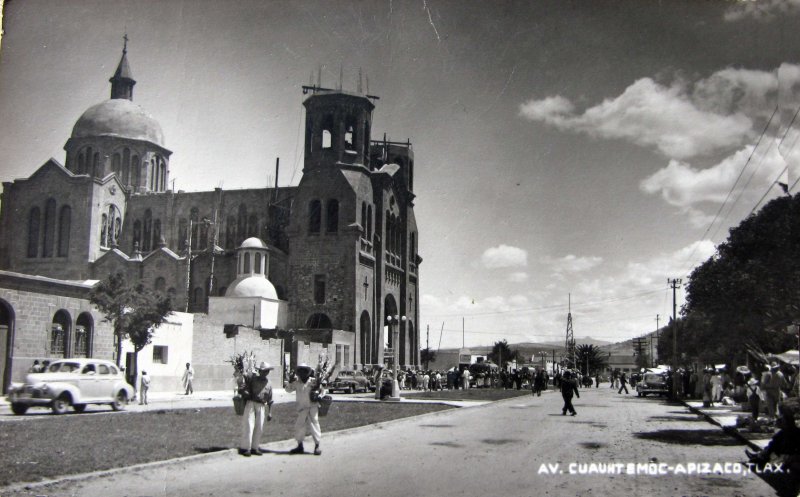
<point>61,404</point>
<point>79,407</point>
<point>19,409</point>
<point>120,401</point>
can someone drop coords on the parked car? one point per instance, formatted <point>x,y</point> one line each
<point>350,382</point>
<point>72,382</point>
<point>652,383</point>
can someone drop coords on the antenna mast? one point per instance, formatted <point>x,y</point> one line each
<point>570,342</point>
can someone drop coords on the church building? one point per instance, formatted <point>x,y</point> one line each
<point>333,260</point>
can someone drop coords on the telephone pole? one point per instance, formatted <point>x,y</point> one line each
<point>674,283</point>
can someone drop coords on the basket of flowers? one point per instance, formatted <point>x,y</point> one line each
<point>242,363</point>
<point>323,376</point>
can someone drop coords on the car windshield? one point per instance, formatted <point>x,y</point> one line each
<point>63,367</point>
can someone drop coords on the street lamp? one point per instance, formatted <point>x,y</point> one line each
<point>394,323</point>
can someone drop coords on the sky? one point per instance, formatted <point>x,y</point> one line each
<point>571,156</point>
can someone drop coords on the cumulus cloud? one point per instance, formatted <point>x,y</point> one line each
<point>518,277</point>
<point>572,264</point>
<point>761,10</point>
<point>647,114</point>
<point>682,185</point>
<point>504,256</point>
<point>683,119</point>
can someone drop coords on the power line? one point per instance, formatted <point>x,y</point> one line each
<point>733,187</point>
<point>785,168</point>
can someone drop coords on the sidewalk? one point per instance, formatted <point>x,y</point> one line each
<point>223,398</point>
<point>725,417</point>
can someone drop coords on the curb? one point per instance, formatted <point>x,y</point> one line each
<point>727,429</point>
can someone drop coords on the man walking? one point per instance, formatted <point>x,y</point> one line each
<point>623,381</point>
<point>568,387</point>
<point>188,376</point>
<point>256,390</point>
<point>307,410</point>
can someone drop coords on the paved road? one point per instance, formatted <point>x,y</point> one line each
<point>497,448</point>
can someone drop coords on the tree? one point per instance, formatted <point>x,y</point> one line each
<point>427,356</point>
<point>747,293</point>
<point>502,354</point>
<point>591,356</point>
<point>133,311</point>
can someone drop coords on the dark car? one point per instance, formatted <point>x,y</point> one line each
<point>350,382</point>
<point>652,383</point>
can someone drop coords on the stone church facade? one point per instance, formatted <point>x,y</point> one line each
<point>342,245</point>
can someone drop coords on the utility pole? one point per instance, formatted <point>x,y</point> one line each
<point>427,345</point>
<point>674,283</point>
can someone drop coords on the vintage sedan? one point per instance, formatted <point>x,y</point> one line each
<point>350,382</point>
<point>652,383</point>
<point>72,382</point>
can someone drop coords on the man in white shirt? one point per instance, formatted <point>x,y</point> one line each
<point>307,410</point>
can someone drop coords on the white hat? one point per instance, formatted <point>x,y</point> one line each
<point>264,366</point>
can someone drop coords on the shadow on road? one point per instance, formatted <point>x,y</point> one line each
<point>685,418</point>
<point>208,450</point>
<point>713,437</point>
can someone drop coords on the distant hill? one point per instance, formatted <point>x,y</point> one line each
<point>580,341</point>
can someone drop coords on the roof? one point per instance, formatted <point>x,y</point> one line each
<point>118,118</point>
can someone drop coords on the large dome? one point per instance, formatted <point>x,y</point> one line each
<point>119,118</point>
<point>252,286</point>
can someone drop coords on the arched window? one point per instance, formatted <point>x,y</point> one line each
<point>365,333</point>
<point>64,220</point>
<point>318,321</point>
<point>258,263</point>
<point>163,168</point>
<point>104,231</point>
<point>147,233</point>
<point>60,334</point>
<point>366,141</point>
<point>34,220</point>
<point>252,226</point>
<point>183,234</point>
<point>230,232</point>
<point>116,162</point>
<point>137,235</point>
<point>369,222</point>
<point>199,298</point>
<point>246,268</point>
<point>327,132</point>
<point>241,224</point>
<point>49,227</point>
<point>350,133</point>
<point>113,226</point>
<point>364,218</point>
<point>203,236</point>
<point>194,215</point>
<point>126,167</point>
<point>314,216</point>
<point>160,284</point>
<point>96,165</point>
<point>84,334</point>
<point>136,171</point>
<point>332,217</point>
<point>156,233</point>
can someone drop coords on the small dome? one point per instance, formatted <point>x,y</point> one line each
<point>252,286</point>
<point>253,243</point>
<point>120,118</point>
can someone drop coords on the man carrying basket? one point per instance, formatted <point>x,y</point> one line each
<point>256,391</point>
<point>307,394</point>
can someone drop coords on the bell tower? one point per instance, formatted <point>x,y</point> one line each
<point>338,127</point>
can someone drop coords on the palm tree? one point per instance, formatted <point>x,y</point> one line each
<point>589,358</point>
